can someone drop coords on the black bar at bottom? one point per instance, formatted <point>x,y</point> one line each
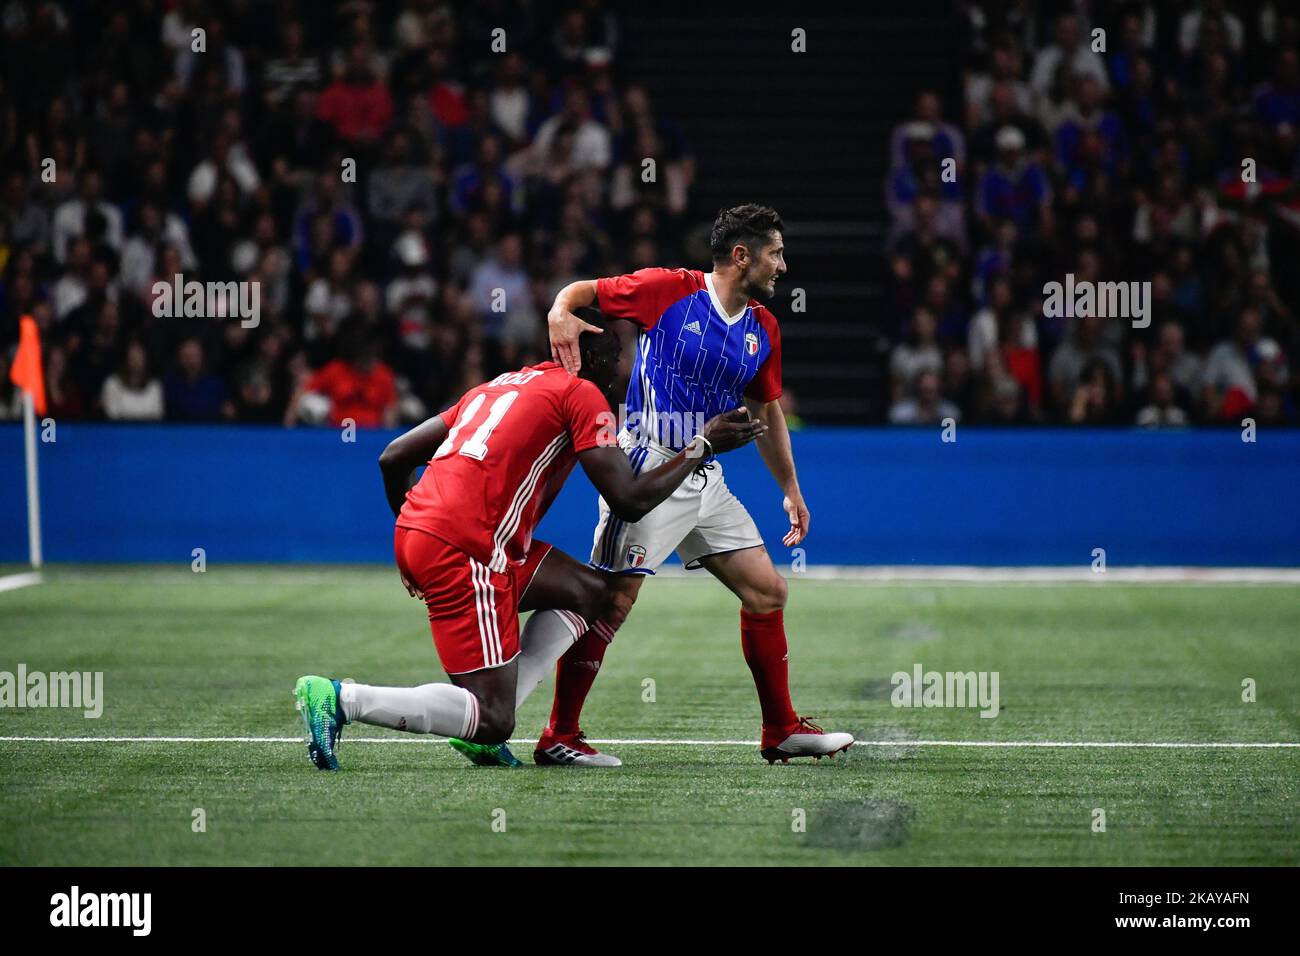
<point>917,904</point>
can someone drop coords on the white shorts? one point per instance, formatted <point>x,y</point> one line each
<point>702,517</point>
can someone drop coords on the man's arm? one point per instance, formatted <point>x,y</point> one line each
<point>565,327</point>
<point>774,447</point>
<point>404,454</point>
<point>631,496</point>
<point>639,297</point>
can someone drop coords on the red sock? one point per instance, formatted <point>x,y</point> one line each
<point>574,674</point>
<point>762,638</point>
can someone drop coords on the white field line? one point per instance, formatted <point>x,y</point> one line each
<point>12,582</point>
<point>616,742</point>
<point>972,574</point>
<point>1194,576</point>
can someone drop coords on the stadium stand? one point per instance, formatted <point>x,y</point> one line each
<point>1168,158</point>
<point>488,179</point>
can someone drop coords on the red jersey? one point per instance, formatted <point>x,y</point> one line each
<point>512,443</point>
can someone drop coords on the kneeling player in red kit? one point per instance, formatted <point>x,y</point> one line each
<point>464,543</point>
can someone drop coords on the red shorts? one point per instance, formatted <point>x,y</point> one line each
<point>473,612</point>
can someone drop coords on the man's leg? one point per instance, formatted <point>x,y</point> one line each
<point>473,614</point>
<point>478,707</point>
<point>624,554</point>
<point>750,575</point>
<point>578,667</point>
<point>573,593</point>
<point>494,690</point>
<point>450,710</point>
<point>566,595</point>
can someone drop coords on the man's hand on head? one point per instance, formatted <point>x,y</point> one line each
<point>565,328</point>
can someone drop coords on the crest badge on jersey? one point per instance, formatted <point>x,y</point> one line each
<point>635,556</point>
<point>751,343</point>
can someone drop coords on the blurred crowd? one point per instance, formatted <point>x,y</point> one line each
<point>408,183</point>
<point>1162,150</point>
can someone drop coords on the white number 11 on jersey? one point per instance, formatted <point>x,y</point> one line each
<point>476,445</point>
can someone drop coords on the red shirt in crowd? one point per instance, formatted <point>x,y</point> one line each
<point>359,113</point>
<point>360,396</point>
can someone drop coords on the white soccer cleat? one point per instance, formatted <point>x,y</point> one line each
<point>808,741</point>
<point>570,750</point>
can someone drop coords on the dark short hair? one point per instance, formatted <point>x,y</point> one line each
<point>598,349</point>
<point>750,225</point>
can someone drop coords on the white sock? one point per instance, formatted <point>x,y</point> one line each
<point>443,709</point>
<point>543,641</point>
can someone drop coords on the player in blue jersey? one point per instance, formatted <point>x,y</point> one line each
<point>704,345</point>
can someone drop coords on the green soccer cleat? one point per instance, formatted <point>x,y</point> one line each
<point>322,714</point>
<point>485,755</point>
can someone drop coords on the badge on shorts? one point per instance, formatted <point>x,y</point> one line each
<point>751,343</point>
<point>635,556</point>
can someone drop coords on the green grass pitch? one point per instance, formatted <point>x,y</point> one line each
<point>216,654</point>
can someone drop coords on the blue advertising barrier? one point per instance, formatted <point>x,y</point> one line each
<point>877,496</point>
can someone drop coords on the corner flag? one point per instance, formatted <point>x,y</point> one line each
<point>28,375</point>
<point>27,372</point>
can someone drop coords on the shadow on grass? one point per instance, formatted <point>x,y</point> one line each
<point>870,824</point>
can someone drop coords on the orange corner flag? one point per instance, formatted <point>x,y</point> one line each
<point>27,372</point>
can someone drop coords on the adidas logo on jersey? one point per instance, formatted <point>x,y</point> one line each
<point>693,326</point>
